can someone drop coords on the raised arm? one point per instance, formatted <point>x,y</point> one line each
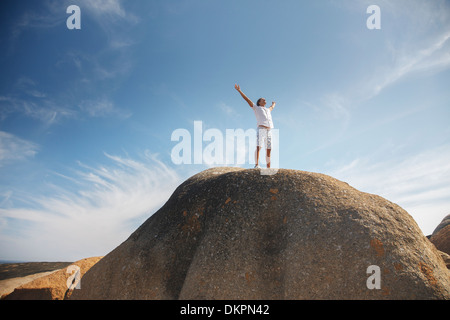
<point>272,106</point>
<point>250,103</point>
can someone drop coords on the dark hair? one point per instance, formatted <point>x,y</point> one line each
<point>257,102</point>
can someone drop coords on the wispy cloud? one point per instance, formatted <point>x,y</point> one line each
<point>112,17</point>
<point>89,212</point>
<point>28,99</point>
<point>87,91</point>
<point>114,22</point>
<point>331,113</point>
<point>415,43</point>
<point>232,112</point>
<point>419,183</point>
<point>228,110</point>
<point>53,13</point>
<point>28,87</point>
<point>417,38</point>
<point>46,18</point>
<point>104,9</point>
<point>102,108</point>
<point>163,90</point>
<point>414,40</point>
<point>432,57</point>
<point>47,110</point>
<point>13,148</point>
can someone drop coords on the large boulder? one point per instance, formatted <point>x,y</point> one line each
<point>444,223</point>
<point>441,235</point>
<point>231,233</point>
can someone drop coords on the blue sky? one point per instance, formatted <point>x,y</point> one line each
<point>86,116</point>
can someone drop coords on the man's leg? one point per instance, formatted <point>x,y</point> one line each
<point>268,146</point>
<point>257,154</point>
<point>259,138</point>
<point>268,157</point>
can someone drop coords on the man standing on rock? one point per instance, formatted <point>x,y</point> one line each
<point>264,124</point>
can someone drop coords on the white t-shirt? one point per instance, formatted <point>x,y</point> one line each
<point>263,116</point>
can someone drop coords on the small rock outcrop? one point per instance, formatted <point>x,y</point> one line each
<point>52,286</point>
<point>441,235</point>
<point>232,233</point>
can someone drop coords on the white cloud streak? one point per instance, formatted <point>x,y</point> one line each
<point>102,108</point>
<point>13,148</point>
<point>417,37</point>
<point>46,110</point>
<point>28,100</point>
<point>111,16</point>
<point>90,213</point>
<point>433,57</point>
<point>416,43</point>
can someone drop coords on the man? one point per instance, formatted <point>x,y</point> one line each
<point>264,124</point>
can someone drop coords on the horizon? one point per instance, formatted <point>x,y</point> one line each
<point>88,110</point>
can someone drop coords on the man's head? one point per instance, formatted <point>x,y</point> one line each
<point>261,102</point>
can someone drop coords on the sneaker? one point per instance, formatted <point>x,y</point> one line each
<point>257,166</point>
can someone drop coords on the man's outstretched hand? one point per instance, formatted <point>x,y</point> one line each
<point>250,103</point>
<point>272,106</point>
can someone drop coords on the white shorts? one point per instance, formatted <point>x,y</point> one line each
<point>263,135</point>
